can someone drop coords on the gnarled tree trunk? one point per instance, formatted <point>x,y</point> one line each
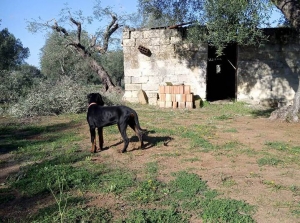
<point>86,51</point>
<point>289,113</point>
<point>291,11</point>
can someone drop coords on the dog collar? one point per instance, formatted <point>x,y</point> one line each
<point>93,103</point>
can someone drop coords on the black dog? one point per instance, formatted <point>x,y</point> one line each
<point>99,117</point>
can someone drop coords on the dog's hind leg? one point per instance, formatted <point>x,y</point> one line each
<point>100,134</point>
<point>137,131</point>
<point>93,140</point>
<point>122,129</point>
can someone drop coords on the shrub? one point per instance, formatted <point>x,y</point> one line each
<point>53,98</point>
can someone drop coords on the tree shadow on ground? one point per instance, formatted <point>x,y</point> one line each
<point>14,136</point>
<point>262,113</point>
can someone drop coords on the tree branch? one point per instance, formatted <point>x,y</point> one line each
<point>59,28</point>
<point>111,28</point>
<point>78,24</point>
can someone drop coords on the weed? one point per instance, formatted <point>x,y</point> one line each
<point>151,169</point>
<point>223,117</point>
<point>146,191</point>
<point>233,130</point>
<point>271,161</point>
<point>272,184</point>
<point>62,198</point>
<point>187,185</point>
<point>226,210</point>
<point>116,181</point>
<point>157,215</point>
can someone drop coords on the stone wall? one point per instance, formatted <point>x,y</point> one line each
<point>170,61</point>
<point>264,75</point>
<point>269,74</point>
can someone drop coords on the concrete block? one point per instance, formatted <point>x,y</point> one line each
<point>175,104</point>
<point>128,42</point>
<point>133,87</point>
<point>127,80</point>
<point>162,97</point>
<point>162,104</point>
<point>181,104</point>
<point>139,80</point>
<point>189,105</point>
<point>149,87</point>
<point>169,104</point>
<point>152,101</point>
<point>168,97</point>
<point>189,97</point>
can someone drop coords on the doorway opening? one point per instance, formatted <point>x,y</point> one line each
<point>221,74</point>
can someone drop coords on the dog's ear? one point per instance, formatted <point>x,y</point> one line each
<point>99,100</point>
<point>89,98</point>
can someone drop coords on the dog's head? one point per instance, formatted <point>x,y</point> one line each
<point>95,98</point>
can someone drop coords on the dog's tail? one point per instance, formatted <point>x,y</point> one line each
<point>136,120</point>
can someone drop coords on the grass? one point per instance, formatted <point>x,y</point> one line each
<point>60,175</point>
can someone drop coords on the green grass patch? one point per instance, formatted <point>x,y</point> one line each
<point>157,215</point>
<point>146,191</point>
<point>283,146</point>
<point>227,210</point>
<point>232,130</point>
<point>270,161</point>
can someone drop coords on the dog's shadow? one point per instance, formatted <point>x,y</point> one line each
<point>149,141</point>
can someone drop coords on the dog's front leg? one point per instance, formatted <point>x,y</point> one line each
<point>100,134</point>
<point>93,140</point>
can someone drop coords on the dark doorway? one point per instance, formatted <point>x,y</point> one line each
<point>221,74</point>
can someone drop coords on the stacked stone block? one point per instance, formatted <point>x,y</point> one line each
<point>177,96</point>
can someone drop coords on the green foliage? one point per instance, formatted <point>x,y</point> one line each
<point>271,161</point>
<point>146,191</point>
<point>39,177</point>
<point>165,13</point>
<point>12,52</point>
<point>234,21</point>
<point>58,60</point>
<point>74,213</point>
<point>226,210</point>
<point>151,169</point>
<point>113,63</point>
<point>116,181</point>
<point>219,22</point>
<point>283,146</point>
<point>18,82</point>
<point>52,98</point>
<point>187,185</point>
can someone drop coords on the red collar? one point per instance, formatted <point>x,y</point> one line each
<point>93,103</point>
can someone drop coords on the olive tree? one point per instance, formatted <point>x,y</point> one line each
<point>58,60</point>
<point>97,43</point>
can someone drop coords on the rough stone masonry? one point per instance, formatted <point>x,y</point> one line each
<point>154,57</point>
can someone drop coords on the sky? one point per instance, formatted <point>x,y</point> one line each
<point>16,13</point>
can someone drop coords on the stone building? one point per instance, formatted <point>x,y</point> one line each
<point>267,74</point>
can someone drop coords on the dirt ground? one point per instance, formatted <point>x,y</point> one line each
<point>235,173</point>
